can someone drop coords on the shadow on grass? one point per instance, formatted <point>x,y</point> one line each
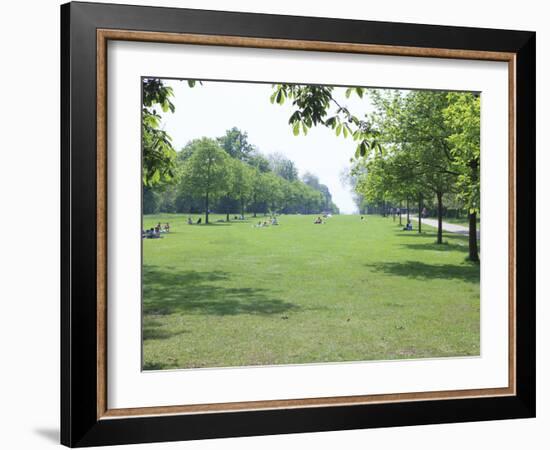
<point>190,292</point>
<point>421,271</point>
<point>445,247</point>
<point>153,329</point>
<point>446,235</point>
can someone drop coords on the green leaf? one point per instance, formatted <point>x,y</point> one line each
<point>296,128</point>
<point>281,97</point>
<point>338,129</point>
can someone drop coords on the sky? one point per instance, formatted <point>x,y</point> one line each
<point>214,107</point>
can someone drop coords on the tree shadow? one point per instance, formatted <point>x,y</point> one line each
<point>212,224</point>
<point>447,236</point>
<point>445,247</point>
<point>153,329</point>
<point>422,271</point>
<point>168,291</point>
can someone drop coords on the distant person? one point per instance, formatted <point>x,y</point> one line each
<point>318,221</point>
<point>274,221</point>
<point>189,221</point>
<point>424,212</point>
<point>408,227</point>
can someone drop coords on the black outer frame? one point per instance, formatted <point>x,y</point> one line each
<point>79,424</point>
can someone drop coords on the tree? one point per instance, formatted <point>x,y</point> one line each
<point>205,172</point>
<point>258,161</point>
<point>159,157</point>
<point>158,153</point>
<point>313,181</point>
<point>235,143</point>
<point>241,175</point>
<point>282,166</point>
<point>274,193</point>
<point>412,130</point>
<point>312,106</point>
<point>259,191</point>
<point>462,116</point>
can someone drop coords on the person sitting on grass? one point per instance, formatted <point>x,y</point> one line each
<point>318,221</point>
<point>274,221</point>
<point>152,234</point>
<point>408,227</point>
<point>167,227</point>
<point>189,221</point>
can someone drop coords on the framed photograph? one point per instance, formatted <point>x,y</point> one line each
<point>278,224</point>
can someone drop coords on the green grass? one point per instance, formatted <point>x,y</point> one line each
<point>231,294</point>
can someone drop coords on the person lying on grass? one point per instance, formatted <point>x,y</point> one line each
<point>151,233</point>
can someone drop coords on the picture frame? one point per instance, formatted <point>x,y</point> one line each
<point>86,418</point>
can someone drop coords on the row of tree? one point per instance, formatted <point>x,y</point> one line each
<point>416,147</point>
<point>429,151</point>
<point>229,175</point>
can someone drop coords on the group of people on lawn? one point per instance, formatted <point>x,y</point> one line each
<point>155,232</point>
<point>265,223</point>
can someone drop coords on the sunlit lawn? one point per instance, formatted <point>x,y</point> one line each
<point>233,294</point>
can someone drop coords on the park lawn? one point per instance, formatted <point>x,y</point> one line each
<point>224,295</point>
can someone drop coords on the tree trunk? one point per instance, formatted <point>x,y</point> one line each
<point>472,231</point>
<point>420,213</point>
<point>439,218</point>
<point>400,205</point>
<point>408,217</point>
<point>206,207</point>
<point>472,235</point>
<point>242,208</point>
<point>227,216</point>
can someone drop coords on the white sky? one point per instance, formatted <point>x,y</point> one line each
<point>214,107</point>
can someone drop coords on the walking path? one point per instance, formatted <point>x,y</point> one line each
<point>450,227</point>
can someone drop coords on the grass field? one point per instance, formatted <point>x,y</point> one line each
<point>223,295</point>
